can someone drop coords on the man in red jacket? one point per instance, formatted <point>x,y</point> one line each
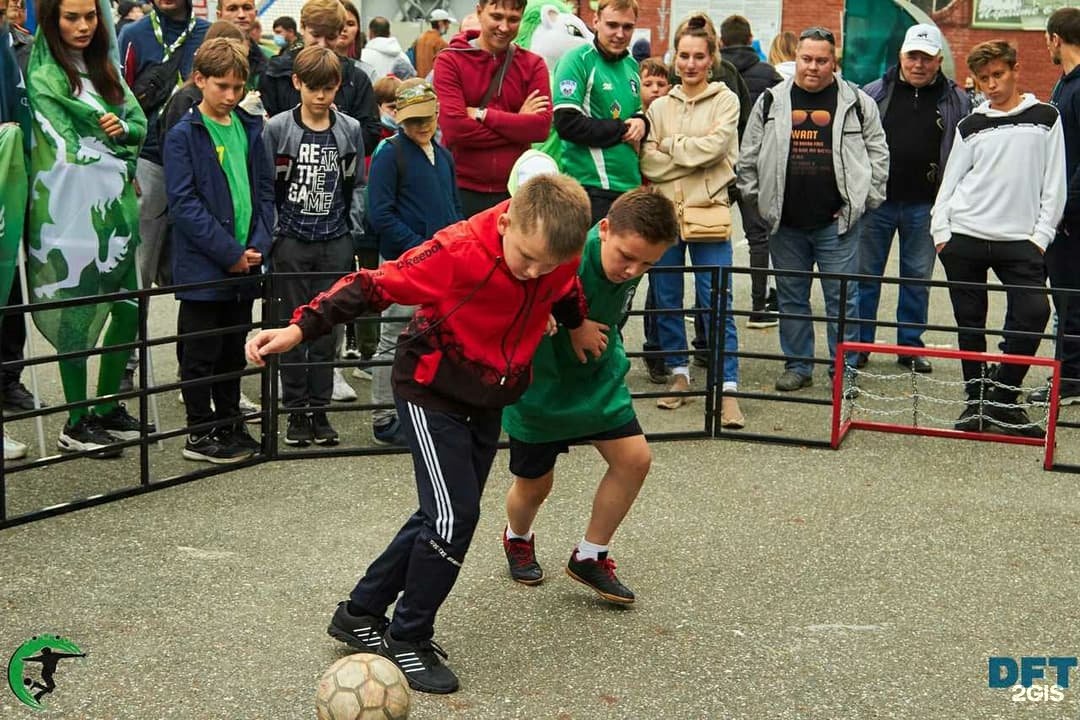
<point>485,288</point>
<point>495,101</point>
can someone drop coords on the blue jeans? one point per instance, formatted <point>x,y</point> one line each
<point>669,295</point>
<point>917,255</point>
<point>793,249</point>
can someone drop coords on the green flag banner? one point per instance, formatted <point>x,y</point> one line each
<point>12,203</point>
<point>84,216</point>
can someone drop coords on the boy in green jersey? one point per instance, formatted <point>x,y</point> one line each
<point>575,398</point>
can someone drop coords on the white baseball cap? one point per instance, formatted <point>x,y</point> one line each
<point>440,14</point>
<point>529,165</point>
<point>924,39</point>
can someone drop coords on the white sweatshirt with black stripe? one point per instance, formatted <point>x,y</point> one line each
<point>1005,178</point>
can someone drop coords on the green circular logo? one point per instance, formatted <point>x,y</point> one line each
<point>46,651</point>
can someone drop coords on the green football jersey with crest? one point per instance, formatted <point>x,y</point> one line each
<point>603,90</point>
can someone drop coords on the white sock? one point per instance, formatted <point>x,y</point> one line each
<point>590,551</point>
<point>681,370</point>
<point>731,386</point>
<point>511,535</point>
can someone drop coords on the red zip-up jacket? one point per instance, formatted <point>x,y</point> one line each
<point>471,343</point>
<point>485,152</point>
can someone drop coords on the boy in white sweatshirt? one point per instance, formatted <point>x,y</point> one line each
<point>1000,201</point>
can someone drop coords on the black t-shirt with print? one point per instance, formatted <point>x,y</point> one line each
<point>811,197</point>
<point>314,206</point>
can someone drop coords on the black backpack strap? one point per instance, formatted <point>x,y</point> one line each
<point>858,103</point>
<point>766,105</point>
<point>399,161</point>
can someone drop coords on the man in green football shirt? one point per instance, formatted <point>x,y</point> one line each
<point>574,398</point>
<point>597,102</point>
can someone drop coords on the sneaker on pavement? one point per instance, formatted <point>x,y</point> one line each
<point>119,423</point>
<point>323,432</point>
<point>422,664</point>
<point>521,554</point>
<point>343,391</point>
<point>363,633</point>
<point>1005,417</point>
<point>600,576</point>
<point>17,398</point>
<point>87,435</point>
<point>127,382</point>
<point>13,449</point>
<point>658,373</point>
<point>238,435</point>
<point>1069,395</point>
<point>219,449</point>
<point>299,431</point>
<point>970,419</point>
<point>361,373</point>
<point>789,381</point>
<point>248,406</point>
<point>389,433</point>
<point>761,318</point>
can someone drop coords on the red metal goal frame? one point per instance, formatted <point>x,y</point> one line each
<point>841,428</point>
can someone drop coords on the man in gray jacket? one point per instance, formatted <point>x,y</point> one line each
<point>814,158</point>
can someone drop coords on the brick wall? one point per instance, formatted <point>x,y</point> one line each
<point>1038,74</point>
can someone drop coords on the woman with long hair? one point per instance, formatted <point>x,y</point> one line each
<point>690,155</point>
<point>351,40</point>
<point>84,217</point>
<point>782,54</point>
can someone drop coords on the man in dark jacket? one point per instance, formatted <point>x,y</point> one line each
<point>241,13</point>
<point>321,22</point>
<point>735,37</point>
<point>920,108</point>
<point>1063,255</point>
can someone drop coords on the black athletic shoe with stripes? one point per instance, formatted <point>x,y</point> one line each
<point>422,664</point>
<point>363,633</point>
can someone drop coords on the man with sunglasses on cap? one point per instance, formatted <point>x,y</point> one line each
<point>920,108</point>
<point>814,158</point>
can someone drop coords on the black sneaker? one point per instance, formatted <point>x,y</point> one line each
<point>420,662</point>
<point>701,358</point>
<point>127,382</point>
<point>237,434</point>
<point>17,398</point>
<point>213,448</point>
<point>970,420</point>
<point>119,423</point>
<point>389,433</point>
<point>1069,395</point>
<point>360,632</point>
<point>600,576</point>
<point>657,368</point>
<point>88,435</point>
<point>322,431</point>
<point>521,554</point>
<point>299,431</point>
<point>1005,417</point>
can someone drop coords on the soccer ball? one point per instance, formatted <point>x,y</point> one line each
<point>363,687</point>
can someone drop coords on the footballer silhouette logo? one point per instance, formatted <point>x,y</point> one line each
<point>32,668</point>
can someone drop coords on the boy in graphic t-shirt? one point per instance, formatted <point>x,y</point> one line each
<point>220,194</point>
<point>318,158</point>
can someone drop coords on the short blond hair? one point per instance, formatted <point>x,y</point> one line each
<point>556,205</point>
<point>220,57</point>
<point>618,6</point>
<point>323,18</point>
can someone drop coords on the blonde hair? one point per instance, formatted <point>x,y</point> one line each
<point>221,57</point>
<point>558,206</point>
<point>618,6</point>
<point>783,48</point>
<point>323,18</point>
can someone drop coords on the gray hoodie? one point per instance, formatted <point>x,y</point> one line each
<point>860,154</point>
<point>382,53</point>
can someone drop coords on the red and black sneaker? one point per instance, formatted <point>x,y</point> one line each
<point>521,554</point>
<point>600,576</point>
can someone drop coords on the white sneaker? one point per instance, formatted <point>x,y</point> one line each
<point>13,449</point>
<point>247,405</point>
<point>361,373</point>
<point>343,391</point>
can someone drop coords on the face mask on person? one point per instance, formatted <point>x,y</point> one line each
<point>279,40</point>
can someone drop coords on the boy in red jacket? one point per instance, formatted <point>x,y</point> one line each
<point>487,289</point>
<point>495,101</point>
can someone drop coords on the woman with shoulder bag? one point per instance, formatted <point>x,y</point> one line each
<point>690,156</point>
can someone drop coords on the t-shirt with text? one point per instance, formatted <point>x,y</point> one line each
<point>314,205</point>
<point>811,197</point>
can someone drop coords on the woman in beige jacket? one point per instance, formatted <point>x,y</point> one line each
<point>690,156</point>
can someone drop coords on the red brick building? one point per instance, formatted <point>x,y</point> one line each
<point>1038,74</point>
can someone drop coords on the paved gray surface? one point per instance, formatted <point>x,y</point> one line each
<point>774,581</point>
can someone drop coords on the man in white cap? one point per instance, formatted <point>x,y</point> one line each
<point>431,42</point>
<point>920,108</point>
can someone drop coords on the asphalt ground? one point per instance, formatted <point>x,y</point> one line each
<point>774,580</point>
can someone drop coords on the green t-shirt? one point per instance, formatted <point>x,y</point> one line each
<point>231,145</point>
<point>568,399</point>
<point>603,90</point>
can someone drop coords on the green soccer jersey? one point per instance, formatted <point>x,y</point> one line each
<point>603,90</point>
<point>231,145</point>
<point>568,399</point>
